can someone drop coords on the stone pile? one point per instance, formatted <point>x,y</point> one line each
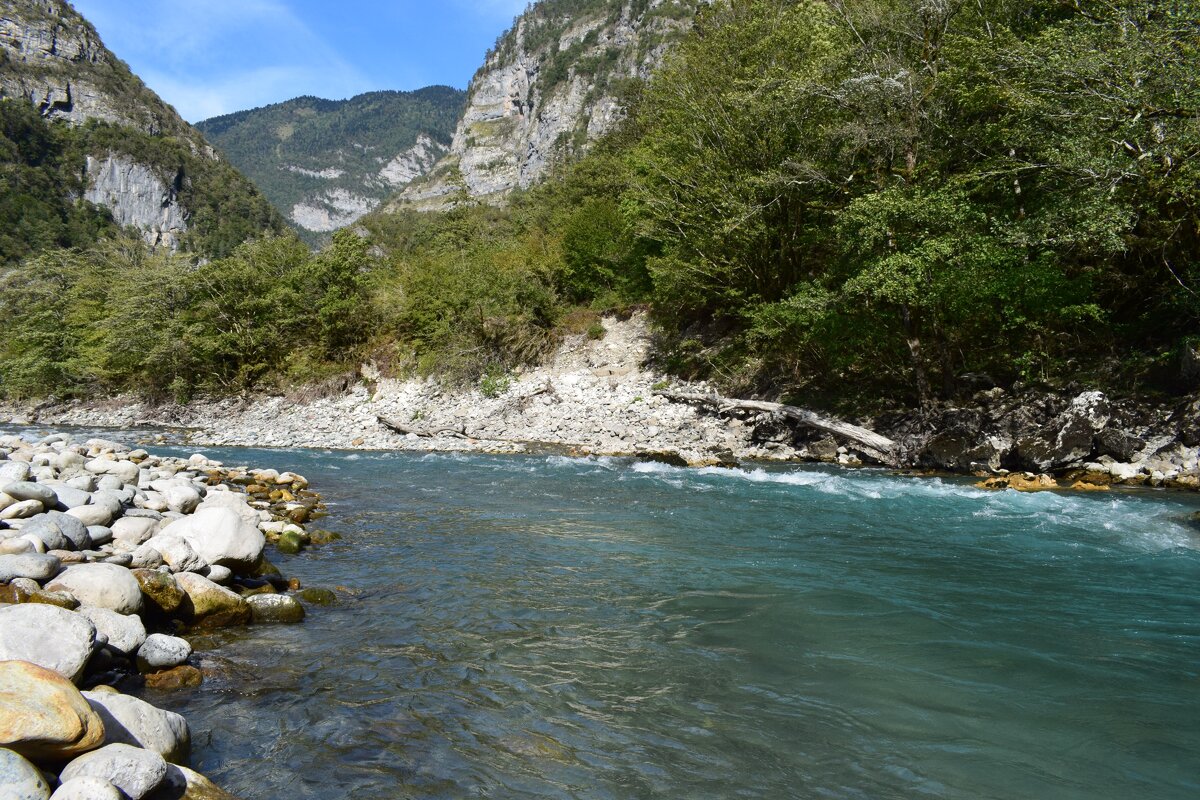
<point>106,553</point>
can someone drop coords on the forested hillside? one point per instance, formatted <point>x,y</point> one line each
<point>324,163</point>
<point>842,202</point>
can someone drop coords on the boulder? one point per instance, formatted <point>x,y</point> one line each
<point>59,531</point>
<point>48,636</point>
<point>27,490</point>
<point>20,779</point>
<point>13,472</point>
<point>184,784</point>
<point>125,632</point>
<point>128,720</point>
<point>177,553</point>
<point>34,566</point>
<point>23,509</point>
<point>209,605</point>
<point>101,585</point>
<point>160,591</point>
<point>134,771</point>
<point>1070,438</point>
<point>97,514</point>
<point>43,715</point>
<point>87,788</point>
<point>161,651</point>
<point>275,608</point>
<point>136,530</point>
<point>220,536</point>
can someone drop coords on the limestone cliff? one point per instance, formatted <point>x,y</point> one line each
<point>143,162</point>
<point>554,83</point>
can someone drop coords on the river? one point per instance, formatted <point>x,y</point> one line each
<point>540,627</point>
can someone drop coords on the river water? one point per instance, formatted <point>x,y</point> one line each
<point>539,627</point>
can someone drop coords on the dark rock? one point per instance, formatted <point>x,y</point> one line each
<point>668,457</point>
<point>1119,444</point>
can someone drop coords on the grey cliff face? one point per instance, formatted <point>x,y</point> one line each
<point>137,197</point>
<point>524,112</point>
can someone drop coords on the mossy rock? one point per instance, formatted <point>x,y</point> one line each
<point>265,569</point>
<point>323,537</point>
<point>318,597</point>
<point>290,543</point>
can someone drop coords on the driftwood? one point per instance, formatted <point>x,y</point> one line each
<point>872,444</point>
<point>424,433</point>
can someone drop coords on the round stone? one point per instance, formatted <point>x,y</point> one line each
<point>101,585</point>
<point>48,636</point>
<point>134,771</point>
<point>43,715</point>
<point>161,651</point>
<point>20,779</point>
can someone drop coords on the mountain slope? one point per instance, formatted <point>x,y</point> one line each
<point>553,83</point>
<point>324,163</point>
<point>132,152</point>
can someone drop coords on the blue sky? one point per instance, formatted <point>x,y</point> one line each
<point>211,57</point>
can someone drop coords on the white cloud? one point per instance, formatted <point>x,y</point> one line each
<point>211,57</point>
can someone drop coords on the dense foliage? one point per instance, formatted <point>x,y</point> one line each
<point>306,146</point>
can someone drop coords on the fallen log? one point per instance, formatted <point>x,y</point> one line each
<point>878,447</point>
<point>424,433</point>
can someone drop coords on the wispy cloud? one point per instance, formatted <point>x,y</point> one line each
<point>212,57</point>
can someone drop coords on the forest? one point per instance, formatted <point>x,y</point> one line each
<point>829,200</point>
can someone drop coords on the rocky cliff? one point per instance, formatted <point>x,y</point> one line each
<point>555,82</point>
<point>139,158</point>
<point>325,163</point>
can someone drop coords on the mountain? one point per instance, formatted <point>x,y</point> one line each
<point>325,163</point>
<point>556,81</point>
<point>76,121</point>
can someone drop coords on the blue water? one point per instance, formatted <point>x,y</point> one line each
<point>553,628</point>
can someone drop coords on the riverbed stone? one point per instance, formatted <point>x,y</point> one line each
<point>13,472</point>
<point>48,636</point>
<point>182,783</point>
<point>43,715</point>
<point>23,509</point>
<point>128,720</point>
<point>99,534</point>
<point>94,514</point>
<point>209,605</point>
<point>102,585</point>
<point>185,676</point>
<point>161,651</point>
<point>220,536</point>
<point>219,574</point>
<point>125,632</point>
<point>160,590</point>
<point>59,531</point>
<point>275,608</point>
<point>146,557</point>
<point>21,780</point>
<point>318,597</point>
<point>87,787</point>
<point>69,496</point>
<point>134,529</point>
<point>28,490</point>
<point>134,771</point>
<point>177,553</point>
<point>34,566</point>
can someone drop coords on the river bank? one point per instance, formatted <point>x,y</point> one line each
<point>604,397</point>
<point>109,558</point>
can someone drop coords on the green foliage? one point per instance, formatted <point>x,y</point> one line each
<point>494,382</point>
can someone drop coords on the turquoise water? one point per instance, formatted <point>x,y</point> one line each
<point>554,628</point>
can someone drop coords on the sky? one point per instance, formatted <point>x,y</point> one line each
<point>213,57</point>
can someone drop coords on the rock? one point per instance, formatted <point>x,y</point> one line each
<point>318,597</point>
<point>171,680</point>
<point>289,543</point>
<point>23,509</point>
<point>161,651</point>
<point>1069,438</point>
<point>134,771</point>
<point>60,599</point>
<point>59,531</point>
<point>1084,486</point>
<point>101,585</point>
<point>93,514</point>
<point>275,608</point>
<point>13,472</point>
<point>182,498</point>
<point>160,591</point>
<point>99,535</point>
<point>1021,482</point>
<point>136,530</point>
<point>21,780</point>
<point>146,557</point>
<point>69,496</point>
<point>48,636</point>
<point>87,788</point>
<point>1119,444</point>
<point>177,553</point>
<point>184,784</point>
<point>43,715</point>
<point>125,633</point>
<point>218,574</point>
<point>34,566</point>
<point>209,605</point>
<point>27,490</point>
<point>220,536</point>
<point>128,720</point>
